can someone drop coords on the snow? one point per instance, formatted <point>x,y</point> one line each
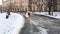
<point>43,30</point>
<point>55,14</point>
<point>12,25</point>
<point>0,2</point>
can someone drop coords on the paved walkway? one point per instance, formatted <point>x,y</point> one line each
<point>52,25</point>
<point>32,23</point>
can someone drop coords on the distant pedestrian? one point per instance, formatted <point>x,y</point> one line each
<point>28,14</point>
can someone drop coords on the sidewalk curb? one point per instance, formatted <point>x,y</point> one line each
<point>47,16</point>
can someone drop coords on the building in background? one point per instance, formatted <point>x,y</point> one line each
<point>14,4</point>
<point>29,5</point>
<point>42,5</point>
<point>17,5</point>
<point>58,5</point>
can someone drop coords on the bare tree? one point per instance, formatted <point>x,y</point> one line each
<point>30,7</point>
<point>54,5</point>
<point>8,13</point>
<point>9,9</point>
<point>49,6</point>
<point>1,8</point>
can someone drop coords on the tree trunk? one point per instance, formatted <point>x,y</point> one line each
<point>8,13</point>
<point>49,11</point>
<point>1,11</point>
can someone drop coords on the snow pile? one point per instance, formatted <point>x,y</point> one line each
<point>12,25</point>
<point>55,14</point>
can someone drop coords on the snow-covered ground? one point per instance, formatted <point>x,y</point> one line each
<point>43,30</point>
<point>55,14</point>
<point>12,25</point>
